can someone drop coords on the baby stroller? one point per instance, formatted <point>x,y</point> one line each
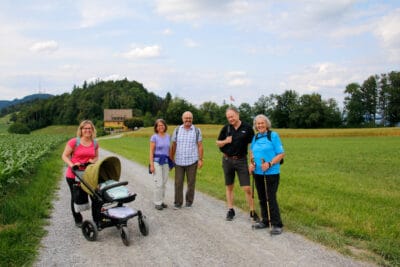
<point>101,182</point>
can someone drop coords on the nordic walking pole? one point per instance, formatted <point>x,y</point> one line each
<point>266,194</point>
<point>252,185</point>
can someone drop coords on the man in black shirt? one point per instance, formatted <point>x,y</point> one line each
<point>233,141</point>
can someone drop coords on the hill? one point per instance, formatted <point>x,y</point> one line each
<point>7,103</point>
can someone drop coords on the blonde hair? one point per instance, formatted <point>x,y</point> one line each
<point>82,124</point>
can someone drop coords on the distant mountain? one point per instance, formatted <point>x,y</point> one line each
<point>6,103</point>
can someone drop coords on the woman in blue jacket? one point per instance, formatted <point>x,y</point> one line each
<point>266,153</point>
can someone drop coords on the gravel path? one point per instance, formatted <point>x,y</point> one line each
<point>196,236</point>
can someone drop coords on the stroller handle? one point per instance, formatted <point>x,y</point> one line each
<point>76,167</point>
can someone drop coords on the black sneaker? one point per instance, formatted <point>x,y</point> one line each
<point>254,216</point>
<point>78,224</point>
<point>276,230</point>
<point>159,207</point>
<point>177,206</point>
<point>188,204</point>
<point>260,225</point>
<point>164,205</point>
<point>230,215</point>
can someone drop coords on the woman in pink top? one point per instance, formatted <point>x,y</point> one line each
<point>80,150</point>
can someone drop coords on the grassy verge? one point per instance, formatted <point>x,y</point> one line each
<point>24,210</point>
<point>341,191</point>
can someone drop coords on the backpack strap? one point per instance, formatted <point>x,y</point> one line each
<point>175,133</point>
<point>78,142</point>
<point>269,134</point>
<point>197,133</point>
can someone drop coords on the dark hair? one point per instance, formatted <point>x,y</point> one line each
<point>163,122</point>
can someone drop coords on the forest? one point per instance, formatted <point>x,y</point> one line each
<point>375,102</point>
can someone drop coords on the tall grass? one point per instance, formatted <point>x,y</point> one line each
<point>343,192</point>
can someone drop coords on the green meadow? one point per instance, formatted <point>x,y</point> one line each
<point>338,187</point>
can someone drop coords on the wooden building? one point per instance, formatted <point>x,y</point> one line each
<point>114,119</point>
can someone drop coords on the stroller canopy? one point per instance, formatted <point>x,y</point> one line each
<point>107,169</point>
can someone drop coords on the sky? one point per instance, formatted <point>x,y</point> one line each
<point>199,50</point>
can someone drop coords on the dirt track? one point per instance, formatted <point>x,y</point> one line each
<point>196,236</point>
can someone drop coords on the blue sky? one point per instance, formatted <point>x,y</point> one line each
<point>201,51</point>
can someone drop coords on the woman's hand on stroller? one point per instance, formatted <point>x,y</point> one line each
<point>80,166</point>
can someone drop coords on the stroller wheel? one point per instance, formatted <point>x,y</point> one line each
<point>125,235</point>
<point>143,227</point>
<point>89,230</point>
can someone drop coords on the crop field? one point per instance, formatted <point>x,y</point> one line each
<point>19,154</point>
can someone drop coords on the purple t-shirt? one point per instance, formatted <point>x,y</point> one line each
<point>162,145</point>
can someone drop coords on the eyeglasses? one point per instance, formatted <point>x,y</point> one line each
<point>87,129</point>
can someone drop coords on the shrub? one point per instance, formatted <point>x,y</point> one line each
<point>133,123</point>
<point>19,128</point>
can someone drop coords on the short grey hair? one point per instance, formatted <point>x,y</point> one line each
<point>264,118</point>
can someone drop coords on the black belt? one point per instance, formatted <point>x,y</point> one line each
<point>234,157</point>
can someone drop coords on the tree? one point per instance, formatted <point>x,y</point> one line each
<point>176,108</point>
<point>246,113</point>
<point>283,113</point>
<point>383,99</point>
<point>264,105</point>
<point>369,96</point>
<point>354,110</point>
<point>332,114</point>
<point>394,98</point>
<point>309,113</point>
<point>210,112</point>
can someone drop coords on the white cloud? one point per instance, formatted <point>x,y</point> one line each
<point>190,43</point>
<point>144,52</point>
<point>95,12</point>
<point>197,10</point>
<point>237,82</point>
<point>167,31</point>
<point>314,77</point>
<point>388,31</point>
<point>237,79</point>
<point>46,46</point>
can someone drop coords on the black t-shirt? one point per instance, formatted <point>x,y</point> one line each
<point>240,139</point>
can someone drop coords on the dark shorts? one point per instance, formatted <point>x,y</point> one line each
<point>239,166</point>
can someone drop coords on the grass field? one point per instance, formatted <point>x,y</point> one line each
<point>338,187</point>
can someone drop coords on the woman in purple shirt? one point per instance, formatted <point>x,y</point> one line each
<point>160,163</point>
